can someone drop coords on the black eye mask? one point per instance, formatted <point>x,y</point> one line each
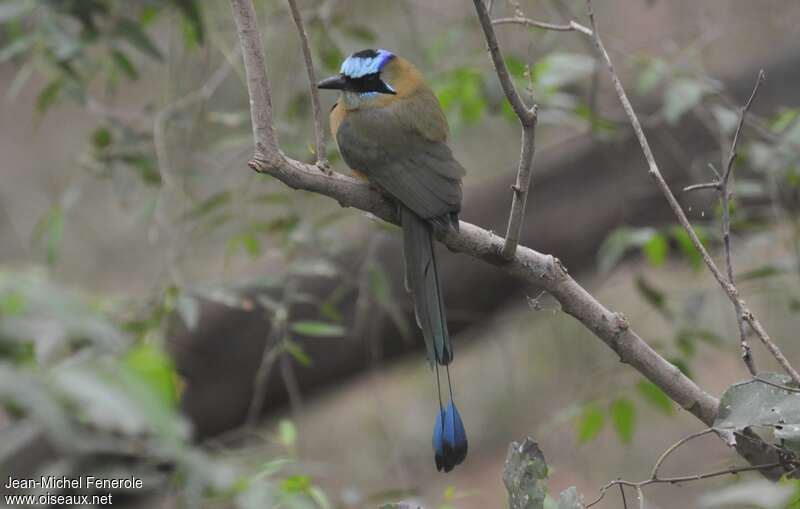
<point>368,83</point>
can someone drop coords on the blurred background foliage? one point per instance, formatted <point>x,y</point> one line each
<point>126,126</point>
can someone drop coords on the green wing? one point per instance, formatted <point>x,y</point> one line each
<point>420,173</point>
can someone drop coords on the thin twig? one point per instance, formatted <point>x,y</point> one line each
<point>270,355</point>
<point>655,173</point>
<point>673,447</point>
<point>705,185</point>
<point>768,382</point>
<point>526,115</point>
<point>268,358</point>
<point>319,131</point>
<point>273,349</point>
<point>292,387</point>
<point>570,27</point>
<point>622,494</point>
<point>527,118</point>
<point>725,196</point>
<point>679,479</point>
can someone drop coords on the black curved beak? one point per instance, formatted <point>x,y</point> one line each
<point>337,82</point>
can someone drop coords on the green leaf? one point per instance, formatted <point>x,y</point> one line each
<point>598,124</point>
<point>525,474</point>
<point>297,353</point>
<point>13,303</point>
<point>656,249</point>
<point>296,484</point>
<point>328,51</point>
<point>209,205</point>
<point>681,96</point>
<point>247,241</point>
<point>681,365</point>
<point>51,229</point>
<point>685,344</point>
<point>319,497</point>
<point>755,403</point>
<point>155,369</point>
<point>48,95</point>
<point>194,18</point>
<point>516,67</point>
<point>124,64</point>
<point>287,433</point>
<point>654,72</point>
<point>133,33</point>
<point>590,423</point>
<point>761,272</point>
<point>652,295</point>
<point>784,119</point>
<point>655,396</point>
<point>331,312</point>
<point>687,246</point>
<point>461,92</point>
<point>101,138</point>
<point>623,416</point>
<point>143,164</point>
<point>688,336</point>
<point>618,242</point>
<point>16,47</point>
<point>317,329</point>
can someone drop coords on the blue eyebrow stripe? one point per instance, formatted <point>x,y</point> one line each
<point>356,67</point>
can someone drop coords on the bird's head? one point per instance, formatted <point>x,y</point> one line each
<point>371,76</point>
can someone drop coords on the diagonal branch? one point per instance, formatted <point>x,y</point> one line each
<point>527,118</point>
<point>655,173</point>
<point>528,265</point>
<point>319,131</point>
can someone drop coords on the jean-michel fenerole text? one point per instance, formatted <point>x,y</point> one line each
<point>80,482</point>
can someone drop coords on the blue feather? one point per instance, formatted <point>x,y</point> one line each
<point>449,438</point>
<point>455,436</point>
<point>356,66</point>
<point>438,444</point>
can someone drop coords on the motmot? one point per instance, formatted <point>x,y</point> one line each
<point>390,129</point>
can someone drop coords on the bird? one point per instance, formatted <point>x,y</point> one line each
<point>390,130</point>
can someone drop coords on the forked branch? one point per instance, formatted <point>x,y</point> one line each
<point>540,270</point>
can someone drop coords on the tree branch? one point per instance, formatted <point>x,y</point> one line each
<point>571,27</point>
<point>527,118</point>
<point>533,267</point>
<point>655,173</point>
<point>319,131</point>
<point>265,139</point>
<point>725,196</point>
<point>528,265</point>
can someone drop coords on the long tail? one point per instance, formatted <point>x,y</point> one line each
<point>422,280</point>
